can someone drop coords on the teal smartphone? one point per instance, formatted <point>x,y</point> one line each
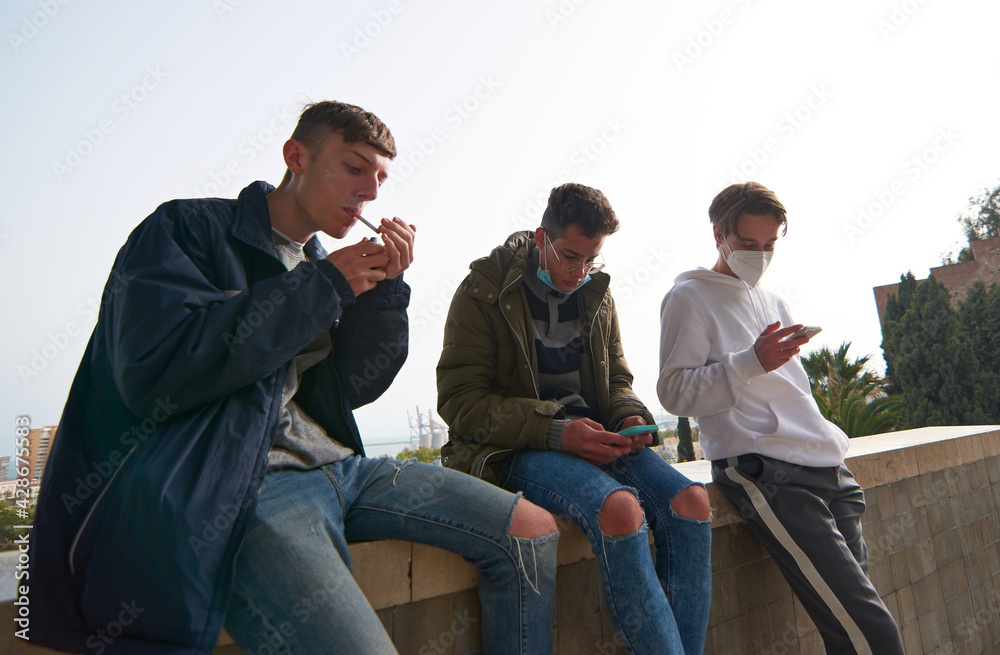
<point>638,429</point>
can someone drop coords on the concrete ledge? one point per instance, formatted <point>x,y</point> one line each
<point>933,496</point>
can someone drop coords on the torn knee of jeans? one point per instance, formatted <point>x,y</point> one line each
<point>643,529</point>
<point>699,505</point>
<point>399,468</point>
<point>627,506</point>
<point>521,546</point>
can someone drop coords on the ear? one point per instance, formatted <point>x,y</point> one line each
<point>718,238</point>
<point>295,156</point>
<point>540,237</point>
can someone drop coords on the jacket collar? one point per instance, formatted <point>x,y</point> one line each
<point>252,222</point>
<point>508,263</point>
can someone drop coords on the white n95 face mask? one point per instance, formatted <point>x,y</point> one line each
<point>748,265</point>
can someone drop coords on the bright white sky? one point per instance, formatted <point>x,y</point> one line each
<point>887,107</point>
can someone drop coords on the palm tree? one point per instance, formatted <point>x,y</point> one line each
<point>848,395</point>
<point>825,368</point>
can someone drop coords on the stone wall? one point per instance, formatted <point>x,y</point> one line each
<point>934,546</point>
<point>931,526</point>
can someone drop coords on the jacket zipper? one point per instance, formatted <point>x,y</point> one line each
<point>524,351</point>
<point>86,519</point>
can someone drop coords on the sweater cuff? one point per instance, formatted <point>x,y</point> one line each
<point>553,434</point>
<point>747,364</point>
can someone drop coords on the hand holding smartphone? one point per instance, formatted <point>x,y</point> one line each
<point>638,429</point>
<point>808,331</point>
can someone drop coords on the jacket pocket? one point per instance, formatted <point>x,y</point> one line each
<point>82,546</point>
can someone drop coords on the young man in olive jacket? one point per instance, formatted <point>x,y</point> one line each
<point>208,467</point>
<point>534,386</point>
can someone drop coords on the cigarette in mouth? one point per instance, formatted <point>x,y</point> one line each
<point>365,221</point>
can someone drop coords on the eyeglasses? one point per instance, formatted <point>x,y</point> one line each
<point>570,264</point>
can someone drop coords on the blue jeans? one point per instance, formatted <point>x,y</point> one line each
<point>655,609</point>
<point>294,592</point>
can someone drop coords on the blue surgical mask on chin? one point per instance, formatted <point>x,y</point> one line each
<point>546,279</point>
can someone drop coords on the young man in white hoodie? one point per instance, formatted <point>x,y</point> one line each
<point>727,357</point>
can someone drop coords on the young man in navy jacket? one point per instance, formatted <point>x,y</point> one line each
<point>208,468</point>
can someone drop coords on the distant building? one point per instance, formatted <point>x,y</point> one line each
<point>4,467</point>
<point>8,491</point>
<point>39,442</point>
<point>985,266</point>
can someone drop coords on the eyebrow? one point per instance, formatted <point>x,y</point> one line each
<point>576,255</point>
<point>384,175</point>
<point>355,152</point>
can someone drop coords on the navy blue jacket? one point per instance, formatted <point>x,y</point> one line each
<point>161,449</point>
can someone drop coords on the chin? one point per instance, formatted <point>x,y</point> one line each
<point>337,232</point>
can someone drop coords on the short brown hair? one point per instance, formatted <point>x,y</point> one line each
<point>750,197</point>
<point>319,119</point>
<point>583,206</point>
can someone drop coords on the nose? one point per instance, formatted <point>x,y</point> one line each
<point>369,188</point>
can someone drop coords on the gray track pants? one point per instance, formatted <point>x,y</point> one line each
<point>809,519</point>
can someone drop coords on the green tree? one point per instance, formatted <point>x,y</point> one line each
<point>979,320</point>
<point>422,454</point>
<point>980,220</point>
<point>8,519</point>
<point>931,360</point>
<point>859,410</point>
<point>848,395</point>
<point>826,368</point>
<point>685,448</point>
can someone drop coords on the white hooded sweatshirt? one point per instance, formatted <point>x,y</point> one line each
<point>708,369</point>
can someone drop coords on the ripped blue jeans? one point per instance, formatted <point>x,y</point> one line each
<point>661,608</point>
<point>294,591</point>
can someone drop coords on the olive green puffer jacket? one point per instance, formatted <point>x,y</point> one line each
<point>487,374</point>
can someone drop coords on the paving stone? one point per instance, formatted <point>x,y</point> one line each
<point>873,511</point>
<point>920,559</point>
<point>892,606</point>
<point>728,635</point>
<point>426,624</point>
<point>911,638</point>
<point>725,597</point>
<point>781,618</point>
<point>954,580</point>
<point>812,644</point>
<point>467,624</point>
<point>934,628</point>
<point>746,546</point>
<point>887,500</point>
<point>750,582</point>
<point>578,589</point>
<point>436,572</point>
<point>756,630</point>
<point>960,614</point>
<point>880,573</point>
<point>978,476</point>
<point>907,605</point>
<point>581,636</point>
<point>927,595</point>
<point>901,494</point>
<point>899,564</point>
<point>775,583</point>
<point>722,549</point>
